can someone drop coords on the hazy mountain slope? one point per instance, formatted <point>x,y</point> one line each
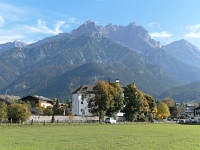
<point>91,73</point>
<point>7,75</point>
<point>32,63</point>
<point>178,69</point>
<point>184,51</point>
<point>35,80</point>
<point>189,92</point>
<point>48,39</point>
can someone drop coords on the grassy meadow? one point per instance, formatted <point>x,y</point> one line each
<point>100,137</point>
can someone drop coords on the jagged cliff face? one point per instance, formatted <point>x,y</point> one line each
<point>131,36</point>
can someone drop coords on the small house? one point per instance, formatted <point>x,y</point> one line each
<point>35,100</point>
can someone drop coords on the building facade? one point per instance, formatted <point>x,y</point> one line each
<point>197,114</point>
<point>44,101</point>
<point>80,99</point>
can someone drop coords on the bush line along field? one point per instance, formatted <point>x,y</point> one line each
<point>100,137</point>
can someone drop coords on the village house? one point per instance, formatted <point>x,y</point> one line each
<point>8,99</point>
<point>189,112</point>
<point>35,99</point>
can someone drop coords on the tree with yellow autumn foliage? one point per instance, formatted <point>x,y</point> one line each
<point>163,110</point>
<point>105,99</point>
<point>18,112</point>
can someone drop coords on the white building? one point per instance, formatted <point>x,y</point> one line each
<point>80,99</point>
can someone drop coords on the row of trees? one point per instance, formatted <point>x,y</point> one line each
<point>110,98</point>
<point>19,110</point>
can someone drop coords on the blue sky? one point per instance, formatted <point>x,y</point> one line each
<point>165,20</point>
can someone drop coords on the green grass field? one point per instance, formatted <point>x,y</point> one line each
<point>100,137</point>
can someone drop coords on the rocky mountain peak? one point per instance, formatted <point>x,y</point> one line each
<point>184,51</point>
<point>89,23</point>
<point>184,43</point>
<point>87,28</point>
<point>9,45</point>
<point>181,45</point>
<point>133,24</point>
<point>133,36</point>
<point>19,44</point>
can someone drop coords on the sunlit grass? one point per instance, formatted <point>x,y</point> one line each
<point>100,137</point>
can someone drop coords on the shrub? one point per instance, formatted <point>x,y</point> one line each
<point>18,112</point>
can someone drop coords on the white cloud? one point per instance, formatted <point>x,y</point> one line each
<point>72,20</point>
<point>5,7</point>
<point>16,23</point>
<point>10,38</point>
<point>2,21</point>
<point>42,28</point>
<point>58,25</point>
<point>192,31</point>
<point>195,27</point>
<point>12,12</point>
<point>193,35</point>
<point>152,24</point>
<point>163,34</point>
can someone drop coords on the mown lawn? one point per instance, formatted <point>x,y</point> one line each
<point>100,137</point>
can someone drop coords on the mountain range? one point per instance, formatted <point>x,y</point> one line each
<point>58,65</point>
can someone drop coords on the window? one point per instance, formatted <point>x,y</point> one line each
<point>81,102</point>
<point>81,110</point>
<point>82,96</point>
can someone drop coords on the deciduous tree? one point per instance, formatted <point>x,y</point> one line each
<point>3,111</point>
<point>169,101</point>
<point>18,112</point>
<point>152,106</point>
<point>136,105</point>
<point>103,100</point>
<point>118,99</point>
<point>163,110</point>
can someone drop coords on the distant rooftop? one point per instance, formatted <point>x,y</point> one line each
<point>86,88</point>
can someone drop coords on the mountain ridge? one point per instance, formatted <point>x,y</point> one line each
<point>139,59</point>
